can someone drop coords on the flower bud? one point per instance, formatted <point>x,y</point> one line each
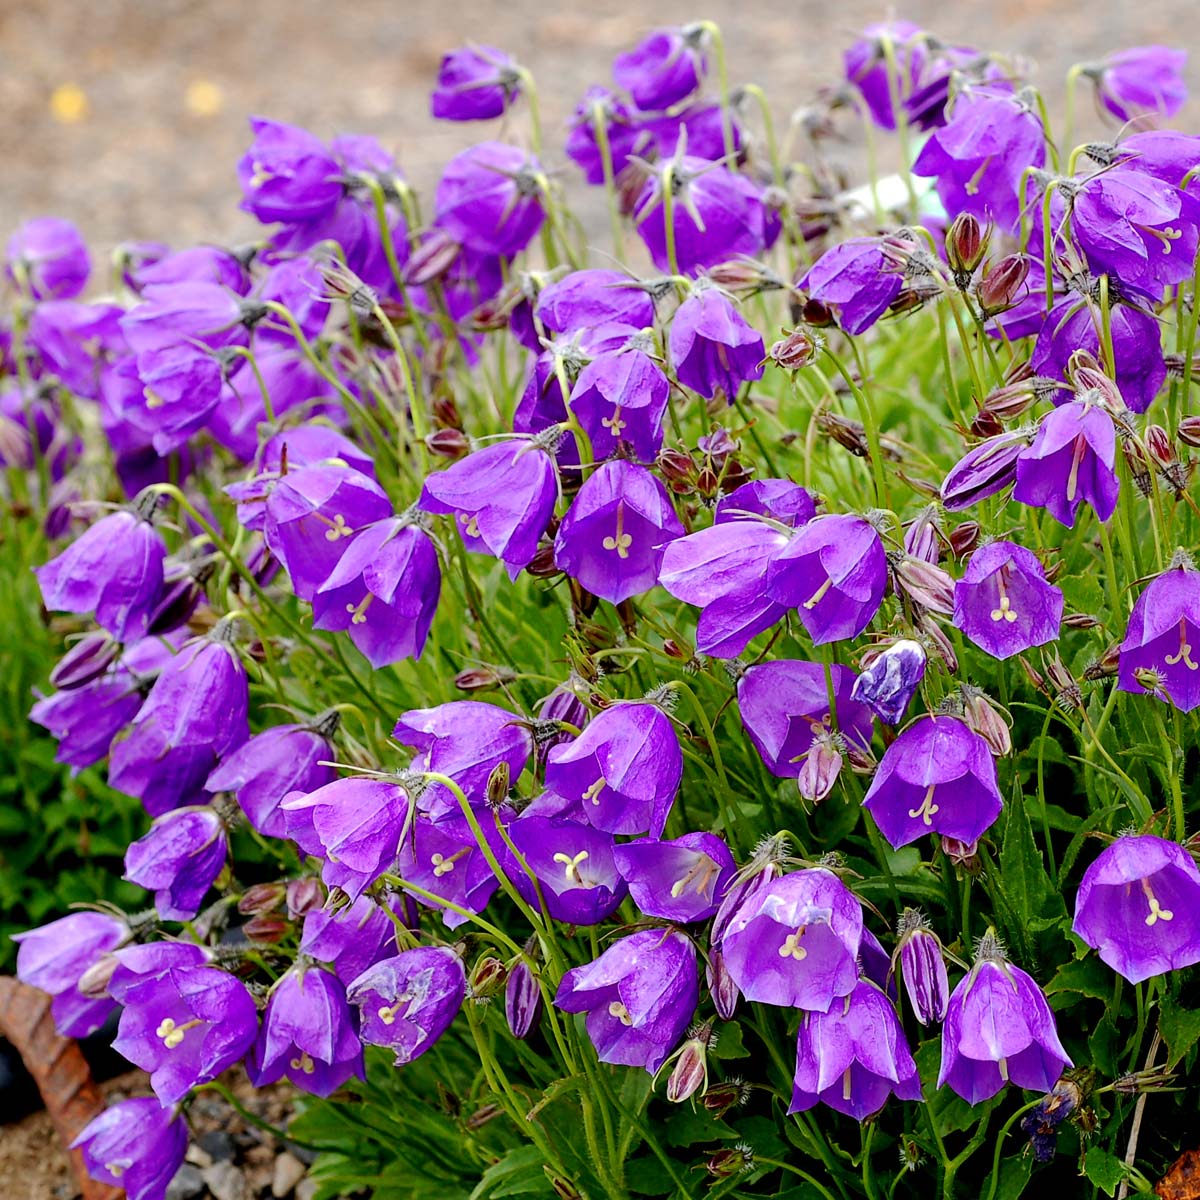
<point>488,977</point>
<point>304,895</point>
<point>448,443</point>
<point>962,854</point>
<point>935,637</point>
<point>261,898</point>
<point>922,968</point>
<point>1063,682</point>
<point>923,583</point>
<point>676,465</point>
<point>966,244</point>
<point>729,1162</point>
<point>435,255</point>
<point>964,538</point>
<point>817,314</point>
<point>522,999</point>
<point>479,679</point>
<point>1003,284</point>
<point>922,535</point>
<point>85,661</point>
<point>984,718</point>
<point>794,351</point>
<point>1188,431</point>
<point>1087,376</point>
<point>1107,665</point>
<point>564,1189</point>
<point>268,929</point>
<point>690,1073</point>
<point>887,684</point>
<point>984,470</point>
<point>499,784</point>
<point>820,768</point>
<point>724,991</point>
<point>445,412</point>
<point>93,983</point>
<point>721,1097</point>
<point>986,424</point>
<point>1159,447</point>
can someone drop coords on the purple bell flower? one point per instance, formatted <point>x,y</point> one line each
<point>1071,461</point>
<point>586,301</point>
<point>474,83</point>
<point>938,776</point>
<point>681,880</point>
<point>784,706</point>
<point>1156,653</point>
<point>522,999</point>
<point>574,866</point>
<point>923,968</point>
<point>1140,81</point>
<point>348,938</point>
<point>998,1029</point>
<point>640,996</point>
<point>178,860</point>
<point>181,384</point>
<point>196,264</point>
<point>1137,905</point>
<point>288,174</point>
<point>48,258</point>
<point>663,69</point>
<point>201,313</point>
<point>114,569</point>
<point>888,682</point>
<point>713,350</point>
<point>187,1027</point>
<point>833,572</point>
<point>780,499</point>
<point>983,471</point>
<point>1166,154</point>
<point>623,770</point>
<point>793,941</point>
<point>619,397</point>
<point>867,67</point>
<point>502,495</point>
<point>139,967</point>
<point>613,535</point>
<point>309,1034</point>
<point>407,1002</point>
<point>1003,602</point>
<point>136,1145</point>
<point>856,280</point>
<point>489,199</point>
<point>444,858</point>
<point>84,720</point>
<point>72,340</point>
<point>625,135</point>
<point>299,285</point>
<point>854,1056</point>
<point>704,127</point>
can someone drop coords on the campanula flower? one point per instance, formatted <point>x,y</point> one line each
<point>1003,602</point>
<point>680,880</point>
<point>48,258</point>
<point>178,860</point>
<point>136,1145</point>
<point>890,679</point>
<point>489,198</point>
<point>574,865</point>
<point>474,83</point>
<point>666,67</point>
<point>713,349</point>
<point>868,69</point>
<point>288,174</point>
<point>1156,653</point>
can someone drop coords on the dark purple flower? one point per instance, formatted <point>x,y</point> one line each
<point>621,396</point>
<point>984,470</point>
<point>502,495</point>
<point>888,682</point>
<point>178,860</point>
<point>48,258</point>
<point>139,967</point>
<point>998,1029</point>
<point>1071,461</point>
<point>489,198</point>
<point>444,858</point>
<point>1164,153</point>
<point>584,301</point>
<point>84,720</point>
<point>639,995</point>
<point>664,68</point>
<point>784,705</point>
<point>1003,602</point>
<point>1137,905</point>
<point>713,350</point>
<point>299,285</point>
<point>704,127</point>
<point>833,572</point>
<point>136,1145</point>
<point>308,1034</point>
<point>868,69</point>
<point>1157,651</point>
<point>681,880</point>
<point>186,1028</point>
<point>923,968</point>
<point>794,941</point>
<point>522,999</point>
<point>780,499</point>
<point>573,862</point>
<point>348,938</point>
<point>938,776</point>
<point>625,135</point>
<point>114,570</point>
<point>73,341</point>
<point>854,1056</point>
<point>408,1001</point>
<point>1140,81</point>
<point>181,384</point>
<point>474,83</point>
<point>856,280</point>
<point>288,174</point>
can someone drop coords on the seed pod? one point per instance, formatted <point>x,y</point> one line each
<point>796,350</point>
<point>268,929</point>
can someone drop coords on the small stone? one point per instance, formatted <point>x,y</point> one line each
<point>187,1184</point>
<point>219,1145</point>
<point>200,1157</point>
<point>289,1170</point>
<point>226,1182</point>
<point>306,1189</point>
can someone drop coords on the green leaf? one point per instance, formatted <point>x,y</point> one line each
<point>1105,1044</point>
<point>687,1126</point>
<point>1023,870</point>
<point>1082,977</point>
<point>518,1173</point>
<point>729,1042</point>
<point>1180,1029</point>
<point>1105,1170</point>
<point>647,1176</point>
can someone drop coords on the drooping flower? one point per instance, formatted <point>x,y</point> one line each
<point>856,280</point>
<point>780,499</point>
<point>923,968</point>
<point>474,83</point>
<point>639,996</point>
<point>408,1001</point>
<point>48,258</point>
<point>1003,602</point>
<point>713,349</point>
<point>938,776</point>
<point>664,68</point>
<point>868,67</point>
<point>1156,653</point>
<point>288,174</point>
<point>1137,905</point>
<point>984,470</point>
<point>444,858</point>
<point>621,396</point>
<point>587,301</point>
<point>889,680</point>
<point>624,134</point>
<point>684,879</point>
<point>489,198</point>
<point>136,1145</point>
<point>1140,81</point>
<point>178,860</point>
<point>998,1029</point>
<point>203,313</point>
<point>854,1056</point>
<point>347,938</point>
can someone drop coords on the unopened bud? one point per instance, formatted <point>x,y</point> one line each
<point>963,854</point>
<point>261,898</point>
<point>797,349</point>
<point>304,895</point>
<point>1003,284</point>
<point>984,718</point>
<point>448,443</point>
<point>1188,431</point>
<point>676,465</point>
<point>1158,446</point>
<point>924,584</point>
<point>966,244</point>
<point>436,254</point>
<point>522,999</point>
<point>690,1072</point>
<point>923,968</point>
<point>889,680</point>
<point>729,1162</point>
<point>85,661</point>
<point>938,641</point>
<point>445,412</point>
<point>479,679</point>
<point>499,784</point>
<point>1088,378</point>
<point>482,1115</point>
<point>721,1097</point>
<point>1063,682</point>
<point>564,1189</point>
<point>986,424</point>
<point>1081,621</point>
<point>93,983</point>
<point>721,987</point>
<point>820,768</point>
<point>744,274</point>
<point>922,535</point>
<point>488,976</point>
<point>268,929</point>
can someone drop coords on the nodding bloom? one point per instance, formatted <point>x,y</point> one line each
<point>780,499</point>
<point>1003,602</point>
<point>794,941</point>
<point>309,1034</point>
<point>856,280</point>
<point>444,858</point>
<point>288,174</point>
<point>1140,81</point>
<point>408,1001</point>
<point>713,349</point>
<point>48,258</point>
<point>621,397</point>
<point>889,679</point>
<point>833,572</point>
<point>201,313</point>
<point>854,1056</point>
<point>348,939</point>
<point>588,301</point>
<point>785,704</point>
<point>923,968</point>
<point>489,199</point>
<point>640,996</point>
<point>1138,905</point>
<point>1157,653</point>
<point>664,68</point>
<point>613,535</point>
<point>136,1145</point>
<point>938,776</point>
<point>684,879</point>
<point>983,471</point>
<point>1070,462</point>
<point>474,83</point>
<point>502,497</point>
<point>624,133</point>
<point>179,859</point>
<point>877,79</point>
<point>998,1029</point>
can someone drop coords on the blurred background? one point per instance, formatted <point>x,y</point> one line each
<point>128,116</point>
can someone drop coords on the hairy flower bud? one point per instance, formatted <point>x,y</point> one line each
<point>304,895</point>
<point>85,661</point>
<point>269,929</point>
<point>448,443</point>
<point>922,968</point>
<point>479,679</point>
<point>923,583</point>
<point>261,898</point>
<point>1188,431</point>
<point>1004,284</point>
<point>966,245</point>
<point>964,538</point>
<point>981,714</point>
<point>820,768</point>
<point>690,1073</point>
<point>488,976</point>
<point>721,987</point>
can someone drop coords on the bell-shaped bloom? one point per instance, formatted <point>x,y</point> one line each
<point>780,499</point>
<point>1156,654</point>
<point>1166,154</point>
<point>784,705</point>
<point>621,396</point>
<point>136,1145</point>
<point>186,1027</point>
<point>713,349</point>
<point>589,300</point>
<point>139,967</point>
<point>444,858</point>
<point>1071,462</point>
<point>178,860</point>
<point>868,69</point>
<point>623,771</point>
<point>998,1029</point>
<point>854,1056</point>
<point>614,533</point>
<point>288,174</point>
<point>260,772</point>
<point>855,280</point>
<point>48,258</point>
<point>408,1001</point>
<point>624,133</point>
<point>1003,602</point>
<point>203,313</point>
<point>356,825</point>
<point>978,158</point>
<point>309,1034</point>
<point>84,720</point>
<point>1138,904</point>
<point>502,496</point>
<point>640,996</point>
<point>666,67</point>
<point>1140,81</point>
<point>72,339</point>
<point>889,680</point>
<point>938,776</point>
<point>474,83</point>
<point>574,865</point>
<point>114,570</point>
<point>923,968</point>
<point>833,572</point>
<point>681,880</point>
<point>489,199</point>
<point>348,938</point>
<point>983,471</point>
<point>200,264</point>
<point>181,385</point>
<point>794,941</point>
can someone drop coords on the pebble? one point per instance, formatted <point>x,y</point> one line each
<point>289,1171</point>
<point>226,1182</point>
<point>201,1158</point>
<point>306,1189</point>
<point>218,1145</point>
<point>187,1184</point>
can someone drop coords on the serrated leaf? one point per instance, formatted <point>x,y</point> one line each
<point>1105,1170</point>
<point>729,1043</point>
<point>1084,977</point>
